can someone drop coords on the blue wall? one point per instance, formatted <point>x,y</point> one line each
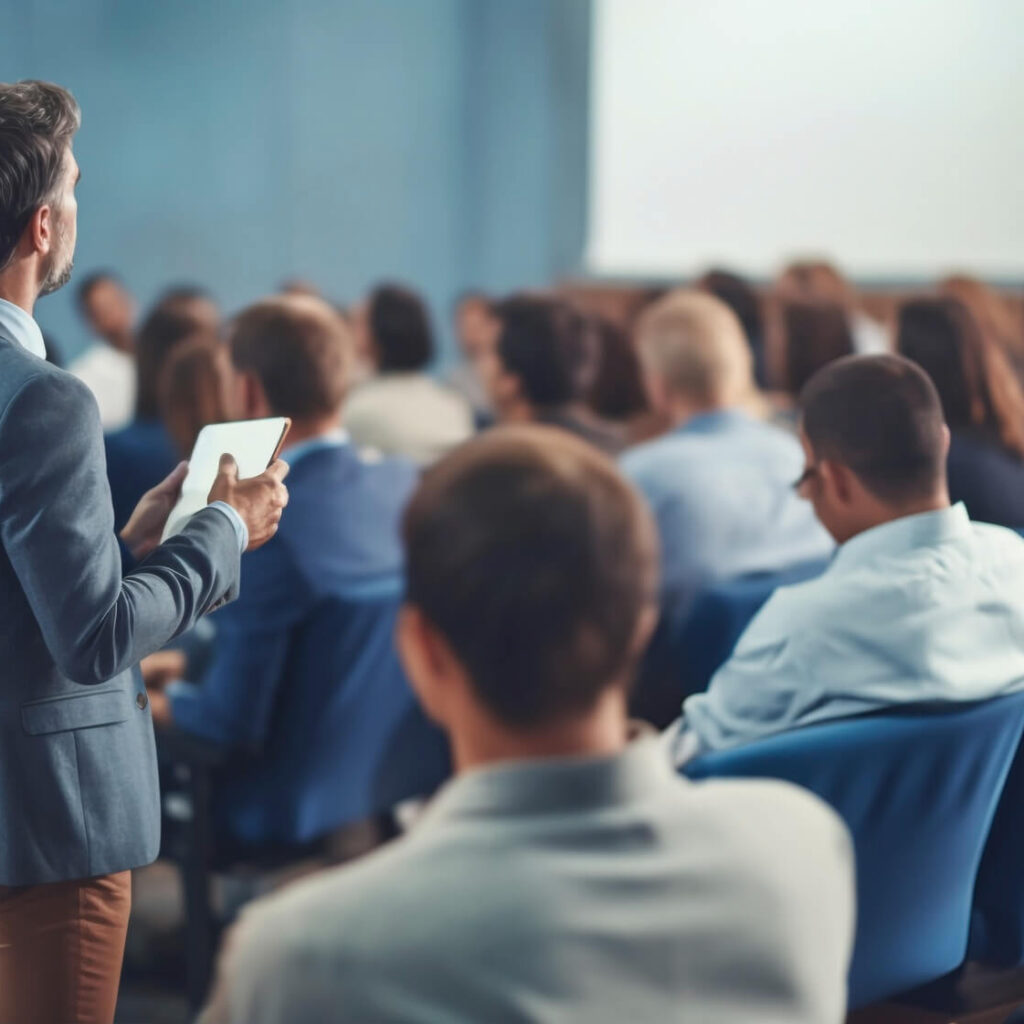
<point>241,142</point>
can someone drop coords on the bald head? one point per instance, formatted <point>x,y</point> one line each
<point>694,352</point>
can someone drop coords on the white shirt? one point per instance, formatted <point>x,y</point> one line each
<point>110,376</point>
<point>928,607</point>
<point>408,414</point>
<point>20,328</point>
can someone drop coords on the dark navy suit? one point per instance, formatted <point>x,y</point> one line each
<point>272,691</point>
<point>139,456</point>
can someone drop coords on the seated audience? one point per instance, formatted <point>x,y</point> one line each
<point>919,604</point>
<point>566,873</point>
<point>108,368</point>
<point>543,367</point>
<point>141,454</point>
<point>1000,324</point>
<point>196,389</point>
<point>817,281</point>
<point>340,533</point>
<point>982,400</point>
<point>476,331</point>
<point>814,334</point>
<point>720,483</point>
<point>742,298</point>
<point>402,410</point>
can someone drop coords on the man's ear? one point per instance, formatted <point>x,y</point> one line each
<point>40,230</point>
<point>253,397</point>
<point>838,479</point>
<point>427,660</point>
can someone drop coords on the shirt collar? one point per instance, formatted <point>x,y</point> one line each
<point>555,784</point>
<point>332,439</point>
<point>924,529</point>
<point>713,421</point>
<point>19,327</point>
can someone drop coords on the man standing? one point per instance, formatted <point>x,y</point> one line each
<point>79,803</point>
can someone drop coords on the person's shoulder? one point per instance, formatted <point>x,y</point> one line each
<point>768,833</point>
<point>648,459</point>
<point>47,388</point>
<point>997,542</point>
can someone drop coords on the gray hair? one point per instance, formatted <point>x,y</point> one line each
<point>37,122</point>
<point>695,344</point>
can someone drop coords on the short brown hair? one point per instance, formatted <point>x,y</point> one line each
<point>531,554</point>
<point>299,349</point>
<point>37,123</point>
<point>881,417</point>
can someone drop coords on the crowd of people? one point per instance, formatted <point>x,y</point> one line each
<point>536,515</point>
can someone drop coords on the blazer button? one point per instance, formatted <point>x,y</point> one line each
<point>141,701</point>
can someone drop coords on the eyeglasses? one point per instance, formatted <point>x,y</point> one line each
<point>808,474</point>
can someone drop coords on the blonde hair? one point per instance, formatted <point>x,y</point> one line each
<point>696,344</point>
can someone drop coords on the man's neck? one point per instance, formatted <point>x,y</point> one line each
<point>19,287</point>
<point>891,513</point>
<point>309,430</point>
<point>683,410</point>
<point>477,740</point>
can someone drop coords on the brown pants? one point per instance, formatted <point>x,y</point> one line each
<point>61,947</point>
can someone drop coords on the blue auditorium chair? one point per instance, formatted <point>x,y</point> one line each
<point>997,920</point>
<point>347,748</point>
<point>720,614</point>
<point>918,789</point>
<point>686,650</point>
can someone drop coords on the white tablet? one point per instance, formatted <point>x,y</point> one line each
<point>254,444</point>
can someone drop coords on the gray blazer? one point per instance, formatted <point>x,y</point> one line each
<point>78,781</point>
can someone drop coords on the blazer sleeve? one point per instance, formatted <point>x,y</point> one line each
<point>234,704</point>
<point>57,529</point>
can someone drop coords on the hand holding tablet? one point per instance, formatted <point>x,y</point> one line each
<point>254,445</point>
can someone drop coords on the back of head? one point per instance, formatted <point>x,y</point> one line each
<point>163,328</point>
<point>813,280</point>
<point>195,389</point>
<point>536,561</point>
<point>545,343</point>
<point>881,417</point>
<point>106,305</point>
<point>815,333</point>
<point>400,329</point>
<point>617,390</point>
<point>975,381</point>
<point>299,349</point>
<point>740,296</point>
<point>695,345</point>
<point>996,319</point>
<point>37,123</point>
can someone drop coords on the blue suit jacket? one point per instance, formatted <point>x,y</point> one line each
<point>139,456</point>
<point>339,539</point>
<point>78,783</point>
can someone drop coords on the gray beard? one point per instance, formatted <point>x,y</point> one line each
<point>53,281</point>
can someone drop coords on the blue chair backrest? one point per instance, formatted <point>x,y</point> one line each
<point>997,920</point>
<point>721,612</point>
<point>348,738</point>
<point>918,790</point>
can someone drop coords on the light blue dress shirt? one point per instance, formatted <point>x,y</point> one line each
<point>22,329</point>
<point>721,490</point>
<point>929,607</point>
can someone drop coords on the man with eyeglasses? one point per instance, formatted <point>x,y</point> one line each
<point>919,603</point>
